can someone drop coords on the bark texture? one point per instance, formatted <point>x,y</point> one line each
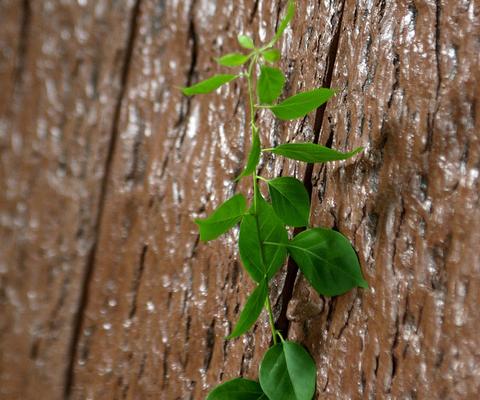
<point>105,289</point>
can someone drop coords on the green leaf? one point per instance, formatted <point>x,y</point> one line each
<point>233,59</point>
<point>246,42</point>
<point>288,372</point>
<point>253,156</point>
<point>290,200</point>
<point>252,310</point>
<point>223,218</point>
<point>208,85</point>
<point>237,389</point>
<point>260,259</point>
<point>271,55</point>
<point>327,260</point>
<point>301,104</point>
<point>288,17</point>
<point>270,84</point>
<point>311,152</point>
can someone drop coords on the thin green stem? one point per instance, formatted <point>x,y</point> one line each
<point>268,306</point>
<point>255,190</point>
<point>280,336</point>
<point>251,94</point>
<point>262,178</point>
<point>253,127</point>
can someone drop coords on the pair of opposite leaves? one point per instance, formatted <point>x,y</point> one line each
<point>270,85</point>
<point>287,371</point>
<point>325,257</point>
<point>270,82</point>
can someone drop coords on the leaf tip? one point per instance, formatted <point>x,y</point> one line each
<point>358,150</point>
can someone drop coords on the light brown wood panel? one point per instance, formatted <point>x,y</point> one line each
<point>105,289</point>
<point>61,78</point>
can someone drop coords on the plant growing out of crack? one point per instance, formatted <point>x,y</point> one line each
<point>325,257</point>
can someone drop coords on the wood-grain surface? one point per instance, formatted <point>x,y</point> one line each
<point>106,291</point>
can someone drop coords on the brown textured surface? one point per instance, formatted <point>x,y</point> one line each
<point>105,290</point>
<point>409,84</point>
<point>61,65</point>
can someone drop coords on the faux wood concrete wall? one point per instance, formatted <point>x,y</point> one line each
<point>105,290</point>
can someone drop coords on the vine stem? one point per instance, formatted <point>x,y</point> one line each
<point>268,306</point>
<point>262,178</point>
<point>254,129</point>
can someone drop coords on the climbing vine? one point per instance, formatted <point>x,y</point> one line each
<point>325,257</point>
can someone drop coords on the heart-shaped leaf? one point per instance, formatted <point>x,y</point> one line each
<point>238,389</point>
<point>290,200</point>
<point>262,225</point>
<point>270,84</point>
<point>311,152</point>
<point>252,310</point>
<point>288,372</point>
<point>327,260</point>
<point>208,85</point>
<point>301,104</point>
<point>223,218</point>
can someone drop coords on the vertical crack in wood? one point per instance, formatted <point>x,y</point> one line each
<point>136,282</point>
<point>78,321</point>
<point>193,43</point>
<point>282,322</point>
<point>432,116</point>
<point>22,50</point>
<point>253,12</point>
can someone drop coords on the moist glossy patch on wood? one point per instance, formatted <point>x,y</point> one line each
<point>105,289</point>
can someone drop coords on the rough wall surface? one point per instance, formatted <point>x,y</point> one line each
<point>60,68</point>
<point>105,290</point>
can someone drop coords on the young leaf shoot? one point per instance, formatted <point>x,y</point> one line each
<point>246,42</point>
<point>233,60</point>
<point>208,85</point>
